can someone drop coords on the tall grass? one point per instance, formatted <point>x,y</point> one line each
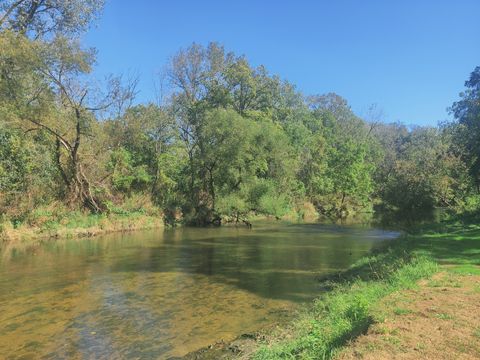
<point>56,220</point>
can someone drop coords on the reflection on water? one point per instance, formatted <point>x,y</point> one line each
<point>160,293</point>
<point>407,219</point>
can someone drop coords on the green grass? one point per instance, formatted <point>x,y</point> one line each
<point>347,309</point>
<point>401,311</point>
<point>60,222</point>
<point>450,280</point>
<point>443,316</point>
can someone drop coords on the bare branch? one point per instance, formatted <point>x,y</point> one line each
<point>10,10</point>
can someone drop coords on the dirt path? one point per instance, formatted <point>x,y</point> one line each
<point>439,320</point>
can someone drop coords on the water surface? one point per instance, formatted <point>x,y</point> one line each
<point>160,294</point>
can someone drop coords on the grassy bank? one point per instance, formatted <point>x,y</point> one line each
<point>60,223</point>
<point>348,310</point>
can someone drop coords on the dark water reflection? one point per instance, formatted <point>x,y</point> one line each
<point>164,293</point>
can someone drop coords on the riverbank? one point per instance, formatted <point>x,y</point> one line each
<point>57,221</point>
<point>362,312</point>
<point>76,225</point>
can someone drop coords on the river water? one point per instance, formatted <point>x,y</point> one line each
<point>164,293</point>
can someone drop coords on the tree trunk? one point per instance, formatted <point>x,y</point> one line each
<point>80,189</point>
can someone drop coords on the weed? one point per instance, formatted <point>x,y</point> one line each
<point>400,311</point>
<point>444,316</point>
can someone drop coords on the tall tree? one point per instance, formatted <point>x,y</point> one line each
<point>467,113</point>
<point>41,18</point>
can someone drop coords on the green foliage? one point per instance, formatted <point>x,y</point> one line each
<point>43,18</point>
<point>125,176</point>
<point>274,204</point>
<point>15,164</point>
<point>467,128</point>
<point>232,140</point>
<point>166,179</point>
<point>233,206</point>
<point>337,170</point>
<point>471,203</point>
<point>27,174</point>
<point>425,174</point>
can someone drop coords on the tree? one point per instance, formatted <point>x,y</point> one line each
<point>150,136</point>
<point>254,166</point>
<point>231,139</point>
<point>48,92</point>
<point>467,132</point>
<point>64,68</point>
<point>337,169</point>
<point>242,84</point>
<point>195,77</point>
<point>147,132</point>
<point>425,174</point>
<point>127,177</point>
<point>40,18</point>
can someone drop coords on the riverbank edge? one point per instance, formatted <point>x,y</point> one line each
<point>345,310</point>
<point>85,226</point>
<point>90,225</point>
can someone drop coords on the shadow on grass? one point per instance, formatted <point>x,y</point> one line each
<point>448,243</point>
<point>345,312</point>
<point>452,243</point>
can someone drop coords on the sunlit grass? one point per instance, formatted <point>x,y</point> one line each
<point>347,311</point>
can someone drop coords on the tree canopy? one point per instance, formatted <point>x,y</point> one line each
<point>229,141</point>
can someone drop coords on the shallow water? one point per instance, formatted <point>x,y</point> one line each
<point>160,294</point>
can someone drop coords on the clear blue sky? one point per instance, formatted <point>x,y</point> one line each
<point>409,57</point>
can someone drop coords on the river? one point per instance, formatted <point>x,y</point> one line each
<point>164,293</point>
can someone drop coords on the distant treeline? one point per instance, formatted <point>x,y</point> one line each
<point>226,140</point>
